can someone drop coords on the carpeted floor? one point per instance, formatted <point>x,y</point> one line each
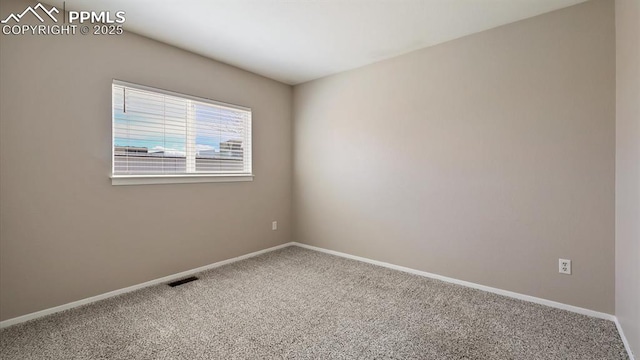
<point>301,304</point>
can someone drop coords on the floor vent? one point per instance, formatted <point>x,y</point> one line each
<point>183,281</point>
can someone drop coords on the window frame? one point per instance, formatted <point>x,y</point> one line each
<point>179,178</point>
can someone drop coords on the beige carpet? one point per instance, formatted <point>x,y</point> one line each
<point>300,304</point>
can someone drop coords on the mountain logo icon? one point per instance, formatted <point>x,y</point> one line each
<point>33,10</point>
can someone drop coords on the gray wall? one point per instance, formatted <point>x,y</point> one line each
<point>628,170</point>
<point>485,159</point>
<point>65,232</point>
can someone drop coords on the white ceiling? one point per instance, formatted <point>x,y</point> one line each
<point>295,41</point>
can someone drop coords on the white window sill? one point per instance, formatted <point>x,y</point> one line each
<point>177,179</point>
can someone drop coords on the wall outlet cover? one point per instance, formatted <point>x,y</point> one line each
<point>564,266</point>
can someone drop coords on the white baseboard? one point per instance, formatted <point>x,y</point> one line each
<point>490,289</point>
<point>169,278</point>
<point>627,346</point>
<point>71,305</point>
<point>511,294</point>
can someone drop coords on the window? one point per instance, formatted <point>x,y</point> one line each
<point>165,137</point>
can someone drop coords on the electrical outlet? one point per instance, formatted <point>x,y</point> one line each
<point>274,225</point>
<point>564,266</point>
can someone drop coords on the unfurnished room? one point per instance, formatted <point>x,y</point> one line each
<point>320,179</point>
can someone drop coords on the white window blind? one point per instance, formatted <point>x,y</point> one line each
<point>161,133</point>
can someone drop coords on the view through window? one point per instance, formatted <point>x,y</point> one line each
<point>156,132</point>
